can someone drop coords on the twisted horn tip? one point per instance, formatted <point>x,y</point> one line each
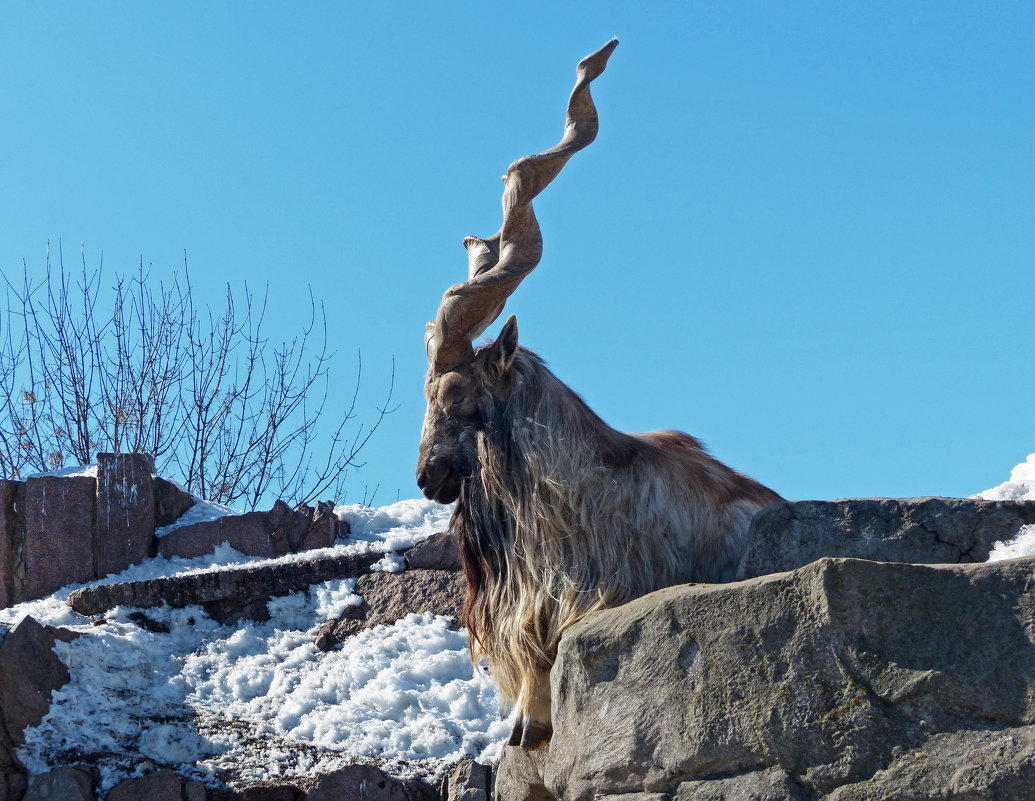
<point>593,64</point>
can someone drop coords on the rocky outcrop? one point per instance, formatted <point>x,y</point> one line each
<point>841,678</point>
<point>791,534</point>
<point>845,678</point>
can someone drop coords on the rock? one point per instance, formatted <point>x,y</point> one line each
<point>519,775</point>
<point>194,791</point>
<point>242,583</point>
<point>467,781</point>
<point>788,535</point>
<point>29,672</point>
<point>279,531</point>
<point>439,552</point>
<point>229,611</point>
<point>973,764</point>
<point>832,674</point>
<point>68,783</point>
<point>248,533</point>
<point>8,524</point>
<point>125,528</point>
<point>12,787</point>
<point>303,528</point>
<point>171,502</point>
<point>261,792</point>
<point>59,533</point>
<point>150,624</point>
<point>390,596</point>
<point>163,785</point>
<point>772,784</point>
<point>13,780</point>
<point>366,782</point>
<point>324,528</point>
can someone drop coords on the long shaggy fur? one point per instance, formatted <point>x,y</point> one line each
<point>565,516</point>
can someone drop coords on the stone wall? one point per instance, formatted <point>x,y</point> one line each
<point>59,530</point>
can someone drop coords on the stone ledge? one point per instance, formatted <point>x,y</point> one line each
<point>790,534</point>
<point>217,585</point>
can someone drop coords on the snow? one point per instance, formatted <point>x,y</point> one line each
<point>200,512</point>
<point>258,701</point>
<point>1021,545</point>
<point>1020,487</point>
<point>89,470</point>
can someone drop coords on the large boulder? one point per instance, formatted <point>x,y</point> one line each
<point>66,783</point>
<point>162,785</point>
<point>29,672</point>
<point>790,534</point>
<point>438,552</point>
<point>846,677</point>
<point>367,782</point>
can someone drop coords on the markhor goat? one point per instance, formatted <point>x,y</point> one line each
<point>557,514</point>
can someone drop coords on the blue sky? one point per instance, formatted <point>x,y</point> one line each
<point>805,234</point>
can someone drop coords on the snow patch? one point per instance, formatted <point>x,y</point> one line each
<point>200,512</point>
<point>259,701</point>
<point>1020,487</point>
<point>1021,545</point>
<point>89,470</point>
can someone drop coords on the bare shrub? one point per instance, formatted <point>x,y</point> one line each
<point>237,418</point>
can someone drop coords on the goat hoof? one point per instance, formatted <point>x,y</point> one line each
<point>516,732</point>
<point>535,735</point>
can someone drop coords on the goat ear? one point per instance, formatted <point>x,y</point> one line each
<point>501,352</point>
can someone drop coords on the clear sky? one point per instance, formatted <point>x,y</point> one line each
<point>805,233</point>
